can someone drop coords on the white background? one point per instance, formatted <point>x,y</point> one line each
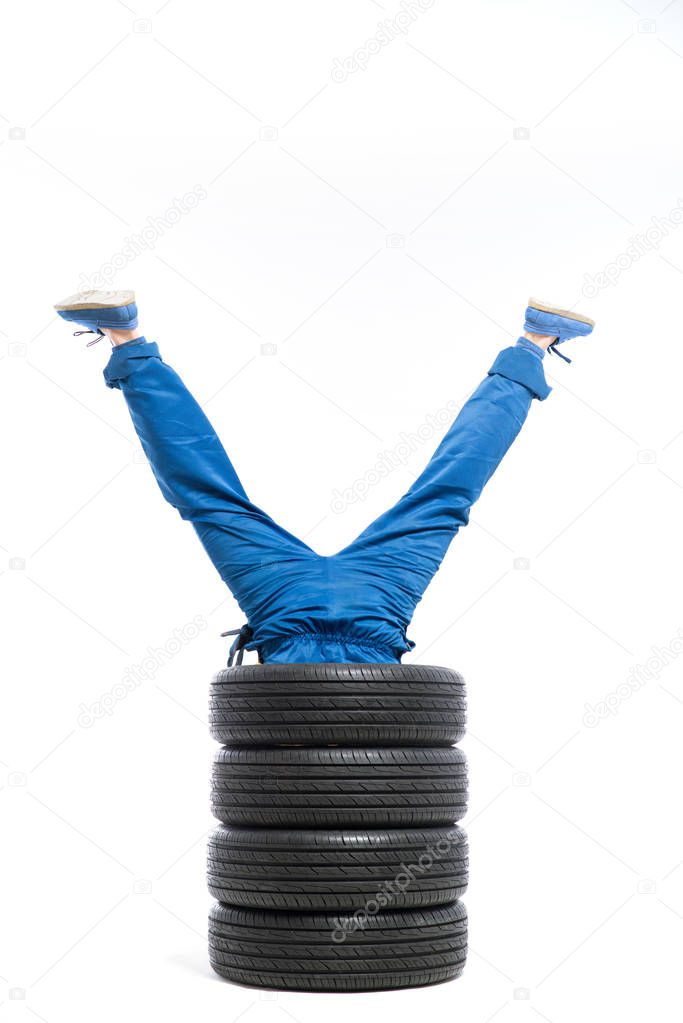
<point>384,233</point>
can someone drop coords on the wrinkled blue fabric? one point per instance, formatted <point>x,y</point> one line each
<point>303,607</point>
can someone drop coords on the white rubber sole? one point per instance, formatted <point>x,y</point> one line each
<point>545,307</point>
<point>96,300</point>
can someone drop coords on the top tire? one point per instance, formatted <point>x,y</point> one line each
<point>337,704</point>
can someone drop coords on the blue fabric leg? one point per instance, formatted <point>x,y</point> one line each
<point>395,558</point>
<point>256,557</point>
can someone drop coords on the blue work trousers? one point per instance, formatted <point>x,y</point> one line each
<point>301,606</point>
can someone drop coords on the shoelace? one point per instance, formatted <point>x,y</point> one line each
<point>100,335</point>
<point>242,637</point>
<point>555,350</point>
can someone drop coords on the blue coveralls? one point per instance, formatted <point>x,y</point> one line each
<point>300,606</point>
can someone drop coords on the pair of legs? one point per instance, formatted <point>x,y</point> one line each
<point>355,605</point>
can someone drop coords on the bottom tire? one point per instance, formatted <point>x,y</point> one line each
<point>330,952</point>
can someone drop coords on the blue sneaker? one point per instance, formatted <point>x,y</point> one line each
<point>563,325</point>
<point>94,310</point>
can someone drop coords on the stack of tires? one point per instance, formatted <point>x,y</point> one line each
<point>338,864</point>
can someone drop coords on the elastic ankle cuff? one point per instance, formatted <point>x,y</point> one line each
<point>128,358</point>
<point>524,367</point>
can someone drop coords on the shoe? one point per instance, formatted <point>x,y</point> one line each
<point>563,325</point>
<point>94,310</point>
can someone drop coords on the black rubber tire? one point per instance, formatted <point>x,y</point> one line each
<point>323,788</point>
<point>338,704</point>
<point>289,950</point>
<point>324,870</point>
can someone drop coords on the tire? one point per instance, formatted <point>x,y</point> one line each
<point>338,704</point>
<point>340,870</point>
<point>333,788</point>
<point>323,952</point>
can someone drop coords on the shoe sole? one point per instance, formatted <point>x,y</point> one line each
<point>95,300</point>
<point>544,307</point>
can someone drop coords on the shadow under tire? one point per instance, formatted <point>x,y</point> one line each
<point>326,952</point>
<point>344,704</point>
<point>332,788</point>
<point>342,870</point>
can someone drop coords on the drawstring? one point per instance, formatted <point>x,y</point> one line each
<point>555,350</point>
<point>100,335</point>
<point>242,637</point>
